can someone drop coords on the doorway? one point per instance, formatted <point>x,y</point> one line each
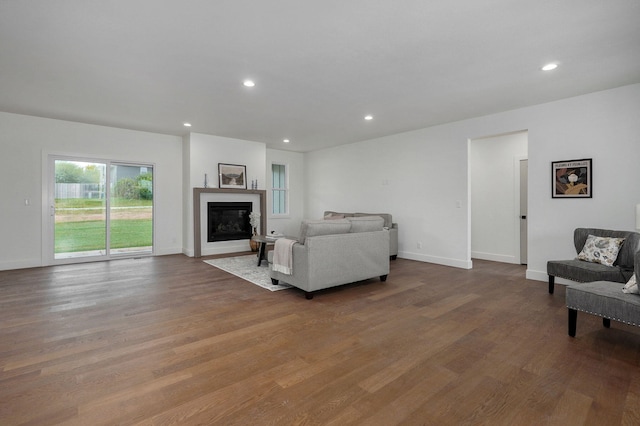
<point>99,209</point>
<point>495,197</point>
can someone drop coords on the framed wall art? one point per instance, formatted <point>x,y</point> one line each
<point>232,176</point>
<point>571,179</point>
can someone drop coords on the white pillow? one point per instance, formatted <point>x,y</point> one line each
<point>602,250</point>
<point>631,286</point>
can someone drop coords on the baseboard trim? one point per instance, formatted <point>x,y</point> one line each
<point>456,263</point>
<point>495,257</point>
<point>21,264</point>
<point>167,251</point>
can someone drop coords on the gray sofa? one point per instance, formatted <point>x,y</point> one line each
<point>584,272</point>
<point>388,223</point>
<point>605,299</point>
<point>330,253</point>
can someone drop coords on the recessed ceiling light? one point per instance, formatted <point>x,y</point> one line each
<point>368,117</point>
<point>549,67</point>
<point>248,83</point>
<point>286,140</point>
<point>187,124</point>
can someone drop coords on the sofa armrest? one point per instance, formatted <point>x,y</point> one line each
<point>393,241</point>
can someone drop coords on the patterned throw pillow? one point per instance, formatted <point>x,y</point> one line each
<point>631,286</point>
<point>602,250</point>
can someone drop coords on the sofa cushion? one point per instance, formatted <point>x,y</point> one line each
<point>604,299</point>
<point>581,271</point>
<point>366,223</point>
<point>603,250</point>
<point>388,221</point>
<point>311,228</point>
<point>336,215</point>
<point>333,216</point>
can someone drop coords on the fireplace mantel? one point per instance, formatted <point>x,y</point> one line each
<point>197,192</point>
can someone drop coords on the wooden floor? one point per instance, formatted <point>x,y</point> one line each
<point>172,340</point>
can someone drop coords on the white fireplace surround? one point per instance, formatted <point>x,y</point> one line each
<point>202,196</point>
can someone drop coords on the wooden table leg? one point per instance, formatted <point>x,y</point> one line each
<point>261,253</point>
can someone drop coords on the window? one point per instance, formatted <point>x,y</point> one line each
<point>280,190</point>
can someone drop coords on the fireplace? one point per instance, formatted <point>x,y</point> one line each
<point>228,221</point>
<point>201,198</point>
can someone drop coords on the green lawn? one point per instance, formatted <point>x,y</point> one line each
<point>90,235</point>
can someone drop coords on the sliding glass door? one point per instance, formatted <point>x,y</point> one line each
<point>100,209</point>
<point>131,209</point>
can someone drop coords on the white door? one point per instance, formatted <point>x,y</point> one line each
<point>524,167</point>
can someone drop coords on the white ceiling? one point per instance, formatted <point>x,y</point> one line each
<point>319,66</point>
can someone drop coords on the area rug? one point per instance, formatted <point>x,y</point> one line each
<point>246,267</point>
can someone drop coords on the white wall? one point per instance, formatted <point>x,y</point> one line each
<point>202,155</point>
<point>420,176</point>
<point>603,126</point>
<point>290,224</point>
<point>494,172</point>
<point>26,141</point>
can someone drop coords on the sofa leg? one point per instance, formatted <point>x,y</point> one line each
<point>274,281</point>
<point>393,257</point>
<point>551,283</point>
<point>383,278</point>
<point>606,322</point>
<point>573,319</point>
<point>308,295</point>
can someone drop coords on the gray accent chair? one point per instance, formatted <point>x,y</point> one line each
<point>388,223</point>
<point>605,299</point>
<point>330,253</point>
<point>584,272</point>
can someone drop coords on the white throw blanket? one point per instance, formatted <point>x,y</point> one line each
<point>283,256</point>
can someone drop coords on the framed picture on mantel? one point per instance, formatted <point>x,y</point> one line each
<point>571,179</point>
<point>232,176</point>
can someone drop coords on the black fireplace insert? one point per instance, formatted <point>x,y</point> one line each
<point>228,221</point>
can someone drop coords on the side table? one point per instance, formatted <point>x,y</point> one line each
<point>264,241</point>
